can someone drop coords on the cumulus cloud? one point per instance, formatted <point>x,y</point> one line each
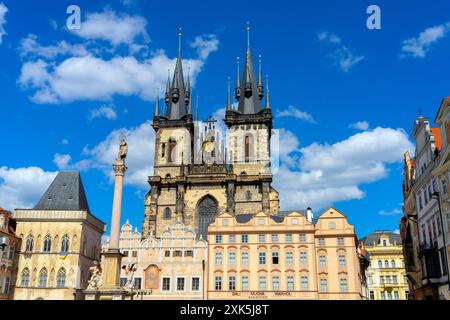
<point>360,125</point>
<point>205,45</point>
<point>294,112</point>
<point>3,11</point>
<point>325,174</point>
<point>21,188</point>
<point>105,111</point>
<point>112,27</point>
<point>341,56</point>
<point>419,46</point>
<point>30,47</point>
<point>62,160</point>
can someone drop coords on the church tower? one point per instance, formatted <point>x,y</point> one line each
<point>199,174</point>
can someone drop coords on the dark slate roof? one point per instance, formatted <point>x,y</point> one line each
<point>244,218</point>
<point>66,192</point>
<point>374,238</point>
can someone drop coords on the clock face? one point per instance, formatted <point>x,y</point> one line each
<point>208,146</point>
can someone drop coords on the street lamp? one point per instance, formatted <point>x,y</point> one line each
<point>436,196</point>
<point>4,241</point>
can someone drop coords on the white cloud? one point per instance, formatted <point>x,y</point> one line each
<point>294,112</point>
<point>62,160</point>
<point>205,45</point>
<point>419,46</point>
<point>92,78</point>
<point>342,56</point>
<point>360,125</point>
<point>3,11</point>
<point>328,37</point>
<point>104,111</point>
<point>29,46</point>
<point>345,59</point>
<point>113,27</point>
<point>65,141</point>
<point>21,188</point>
<point>394,212</point>
<point>326,174</point>
<point>140,158</point>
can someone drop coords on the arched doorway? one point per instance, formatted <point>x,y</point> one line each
<point>206,214</point>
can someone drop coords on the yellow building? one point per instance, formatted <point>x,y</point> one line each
<point>60,241</point>
<point>169,267</point>
<point>287,256</point>
<point>386,275</point>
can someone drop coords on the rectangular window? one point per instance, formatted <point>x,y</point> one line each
<point>125,253</point>
<point>134,254</point>
<point>372,295</point>
<point>262,258</point>
<point>180,284</point>
<point>340,241</point>
<point>321,241</point>
<point>383,295</point>
<point>275,283</point>
<point>123,282</point>
<point>290,283</point>
<point>218,283</point>
<point>218,258</point>
<point>275,257</point>
<point>138,283</point>
<point>323,285</point>
<point>389,295</point>
<point>289,237</point>
<point>232,238</point>
<point>396,297</point>
<point>304,283</point>
<point>322,261</point>
<point>178,253</point>
<point>274,238</point>
<point>303,257</point>
<point>244,281</point>
<point>344,285</point>
<point>381,279</point>
<point>342,261</point>
<point>189,253</point>
<point>167,253</point>
<point>232,283</point>
<point>388,279</point>
<point>218,238</point>
<point>166,284</point>
<point>244,238</point>
<point>302,237</point>
<point>232,258</point>
<point>244,258</point>
<point>261,238</point>
<point>394,279</point>
<point>289,257</point>
<point>195,284</point>
<point>262,283</point>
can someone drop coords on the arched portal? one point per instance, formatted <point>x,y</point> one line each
<point>206,214</point>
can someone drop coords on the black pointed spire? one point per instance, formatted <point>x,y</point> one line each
<point>229,96</point>
<point>238,81</point>
<point>260,81</point>
<point>167,95</point>
<point>267,105</point>
<point>157,104</point>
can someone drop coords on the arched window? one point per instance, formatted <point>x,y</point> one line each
<point>207,213</point>
<point>25,278</point>
<point>167,214</point>
<point>247,148</point>
<point>248,196</point>
<point>47,244</point>
<point>172,145</point>
<point>61,278</point>
<point>392,263</point>
<point>386,264</point>
<point>380,264</point>
<point>29,244</point>
<point>65,244</point>
<point>43,275</point>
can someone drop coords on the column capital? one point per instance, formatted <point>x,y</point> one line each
<point>120,169</point>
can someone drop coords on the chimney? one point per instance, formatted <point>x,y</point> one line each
<point>309,215</point>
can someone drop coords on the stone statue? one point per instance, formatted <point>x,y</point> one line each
<point>129,271</point>
<point>123,150</point>
<point>95,279</point>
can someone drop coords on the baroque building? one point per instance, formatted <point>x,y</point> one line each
<point>386,274</point>
<point>285,256</point>
<point>9,254</point>
<point>169,267</point>
<point>60,240</point>
<point>198,171</point>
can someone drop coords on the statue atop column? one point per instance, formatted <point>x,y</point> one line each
<point>123,150</point>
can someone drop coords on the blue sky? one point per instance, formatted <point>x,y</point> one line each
<point>345,97</point>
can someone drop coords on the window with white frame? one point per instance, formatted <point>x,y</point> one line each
<point>244,258</point>
<point>288,237</point>
<point>218,238</point>
<point>304,284</point>
<point>232,283</point>
<point>340,241</point>
<point>165,284</point>
<point>322,261</point>
<point>218,258</point>
<point>274,238</point>
<point>232,257</point>
<point>244,282</point>
<point>232,238</point>
<point>262,258</point>
<point>180,283</point>
<point>261,238</point>
<point>195,284</point>
<point>290,283</point>
<point>289,257</point>
<point>262,283</point>
<point>244,238</point>
<point>275,283</point>
<point>342,261</point>
<point>321,241</point>
<point>303,257</point>
<point>218,283</point>
<point>323,285</point>
<point>302,237</point>
<point>343,285</point>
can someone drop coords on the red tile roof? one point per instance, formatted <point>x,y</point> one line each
<point>437,137</point>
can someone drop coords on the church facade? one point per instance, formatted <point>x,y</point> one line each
<point>200,172</point>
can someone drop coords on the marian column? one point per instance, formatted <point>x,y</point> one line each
<point>108,285</point>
